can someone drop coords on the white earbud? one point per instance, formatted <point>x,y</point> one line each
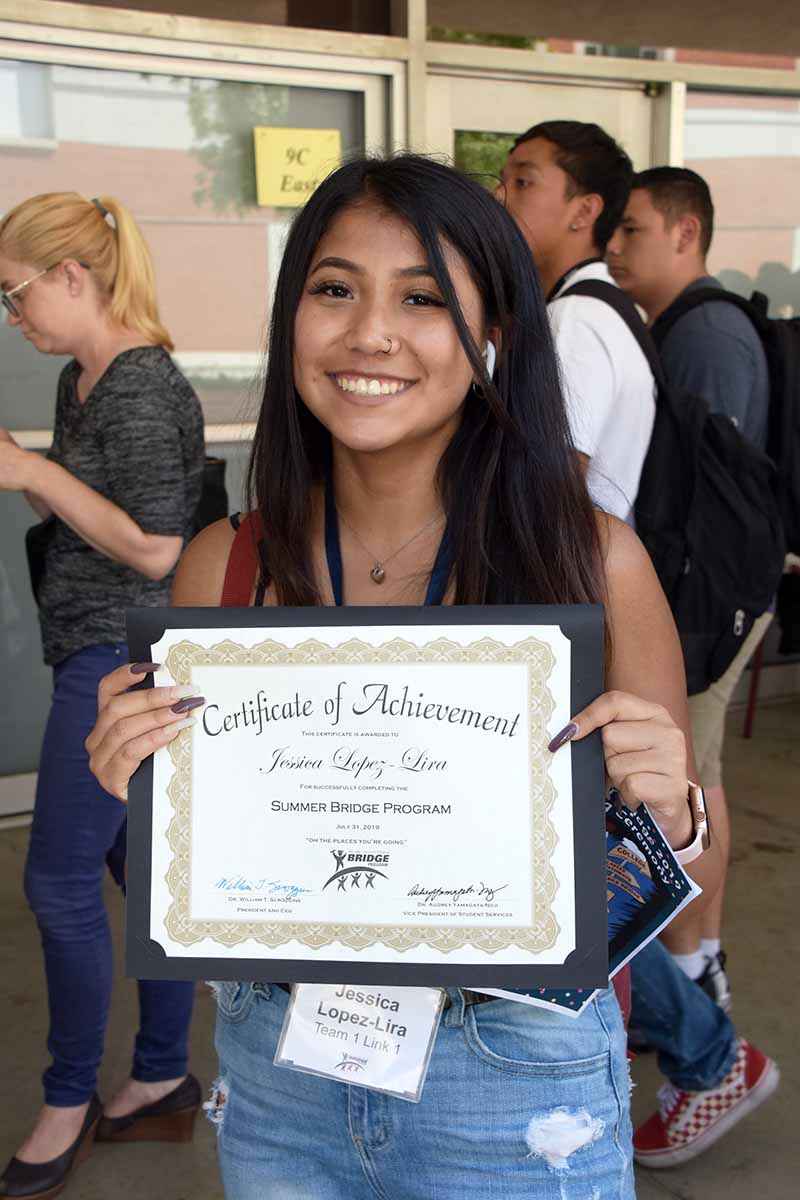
<point>490,357</point>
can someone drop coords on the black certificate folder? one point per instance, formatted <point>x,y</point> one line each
<point>165,827</point>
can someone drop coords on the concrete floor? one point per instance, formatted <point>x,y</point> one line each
<point>760,1159</point>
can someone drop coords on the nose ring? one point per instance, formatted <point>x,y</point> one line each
<point>391,344</point>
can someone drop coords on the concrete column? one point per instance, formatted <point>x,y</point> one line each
<point>410,21</point>
<point>669,117</point>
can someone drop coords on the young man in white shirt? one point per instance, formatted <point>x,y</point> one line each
<point>566,184</point>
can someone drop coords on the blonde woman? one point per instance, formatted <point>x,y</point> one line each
<point>117,492</point>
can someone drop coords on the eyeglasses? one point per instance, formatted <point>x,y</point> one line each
<point>6,297</point>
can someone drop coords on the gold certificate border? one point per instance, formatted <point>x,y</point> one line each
<point>539,659</point>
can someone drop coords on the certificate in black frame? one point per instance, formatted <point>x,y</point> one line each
<point>586,966</point>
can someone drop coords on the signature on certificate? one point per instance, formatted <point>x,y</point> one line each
<point>471,891</point>
<point>271,887</point>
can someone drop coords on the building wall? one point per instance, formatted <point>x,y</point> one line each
<point>260,12</point>
<point>735,25</point>
<point>748,150</point>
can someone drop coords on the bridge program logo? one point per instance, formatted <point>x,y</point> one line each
<point>356,871</point>
<point>350,1063</point>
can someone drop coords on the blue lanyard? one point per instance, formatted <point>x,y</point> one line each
<point>440,575</point>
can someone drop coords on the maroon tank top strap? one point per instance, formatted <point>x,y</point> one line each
<point>242,570</point>
<point>622,986</point>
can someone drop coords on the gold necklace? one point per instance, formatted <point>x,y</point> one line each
<point>377,571</point>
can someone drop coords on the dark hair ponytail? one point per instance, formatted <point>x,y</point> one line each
<point>521,524</point>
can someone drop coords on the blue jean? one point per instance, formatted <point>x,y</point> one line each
<point>695,1039</point>
<point>78,829</point>
<point>518,1102</point>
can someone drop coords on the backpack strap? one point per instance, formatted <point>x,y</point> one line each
<point>244,565</point>
<point>624,307</point>
<point>755,309</point>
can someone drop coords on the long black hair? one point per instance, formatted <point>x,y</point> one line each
<point>521,525</point>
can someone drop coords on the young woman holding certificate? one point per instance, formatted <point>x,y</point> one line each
<point>412,448</point>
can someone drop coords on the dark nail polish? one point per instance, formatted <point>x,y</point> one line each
<point>185,706</point>
<point>563,736</point>
<point>143,668</point>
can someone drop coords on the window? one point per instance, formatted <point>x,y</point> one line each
<point>179,152</point>
<point>26,110</point>
<point>747,148</point>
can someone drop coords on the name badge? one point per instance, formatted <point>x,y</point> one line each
<point>378,1038</point>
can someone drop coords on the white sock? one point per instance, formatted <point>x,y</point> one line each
<point>691,964</point>
<point>710,947</point>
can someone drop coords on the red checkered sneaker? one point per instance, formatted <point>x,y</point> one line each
<point>687,1123</point>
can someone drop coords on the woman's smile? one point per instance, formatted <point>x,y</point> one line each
<point>370,387</point>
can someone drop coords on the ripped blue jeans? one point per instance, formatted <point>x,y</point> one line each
<point>518,1102</point>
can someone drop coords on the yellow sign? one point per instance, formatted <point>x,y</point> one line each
<point>291,162</point>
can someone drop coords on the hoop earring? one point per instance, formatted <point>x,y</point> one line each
<point>489,358</point>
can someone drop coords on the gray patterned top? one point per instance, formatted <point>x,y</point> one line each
<point>138,440</point>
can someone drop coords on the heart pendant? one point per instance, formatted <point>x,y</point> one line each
<point>377,574</point>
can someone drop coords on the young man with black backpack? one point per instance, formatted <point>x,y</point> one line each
<point>711,349</point>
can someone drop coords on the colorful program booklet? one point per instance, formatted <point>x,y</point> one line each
<point>646,889</point>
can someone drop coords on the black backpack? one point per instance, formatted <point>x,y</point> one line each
<point>213,502</point>
<point>780,338</point>
<point>707,513</point>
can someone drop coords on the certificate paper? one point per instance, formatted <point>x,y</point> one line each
<point>367,796</point>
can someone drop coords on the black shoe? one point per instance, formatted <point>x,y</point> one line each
<point>170,1119</point>
<point>715,983</point>
<point>42,1181</point>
